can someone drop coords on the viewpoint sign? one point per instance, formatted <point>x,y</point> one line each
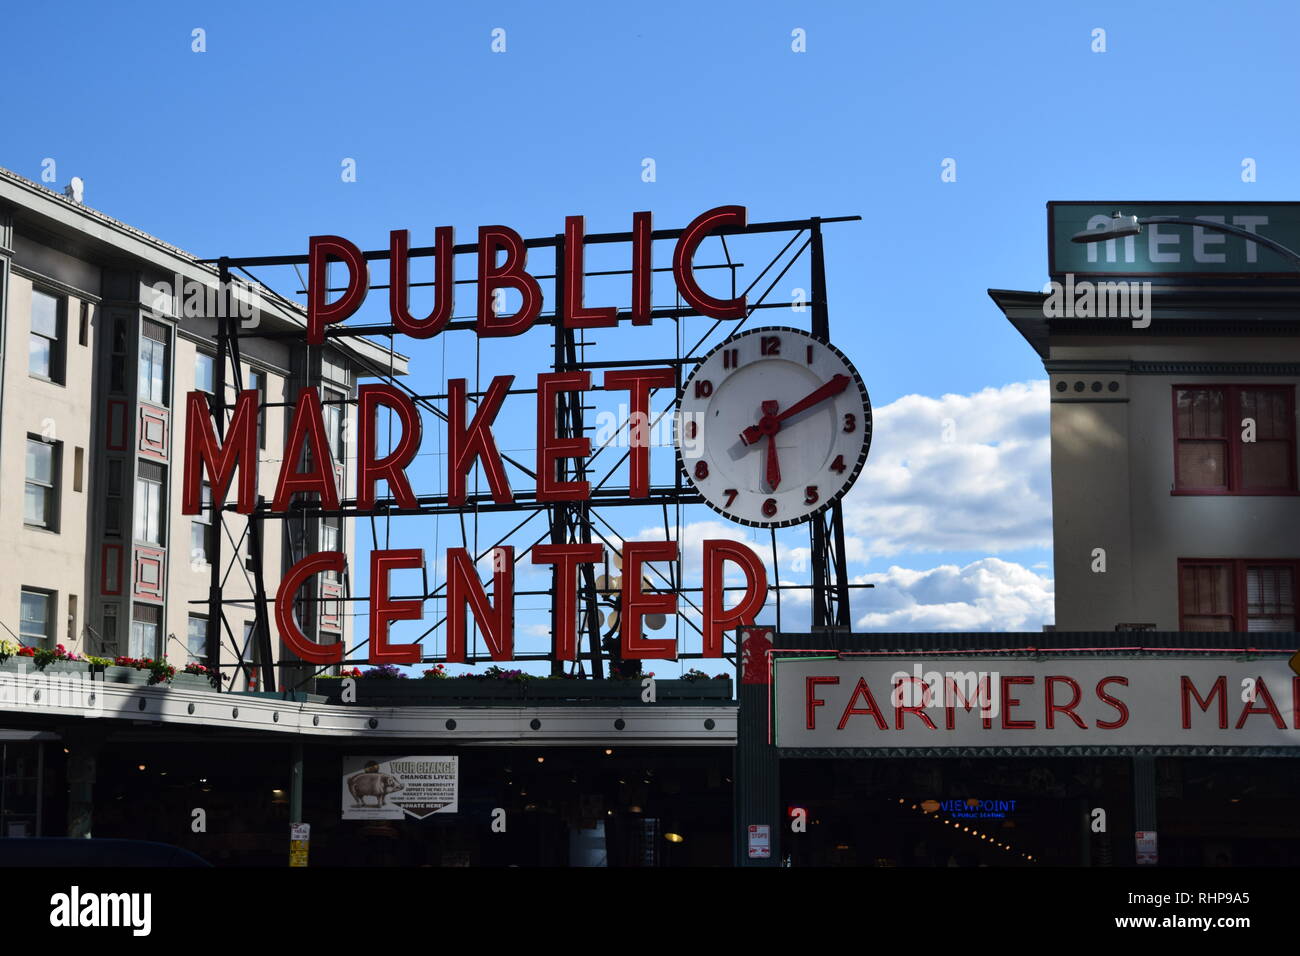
<point>1173,251</point>
<point>884,702</point>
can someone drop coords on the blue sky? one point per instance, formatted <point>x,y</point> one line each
<point>237,150</point>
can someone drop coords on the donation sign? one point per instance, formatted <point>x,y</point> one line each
<point>391,788</point>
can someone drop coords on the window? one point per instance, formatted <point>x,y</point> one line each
<point>332,369</point>
<point>334,414</point>
<point>36,618</point>
<point>198,637</point>
<point>45,347</point>
<point>205,372</point>
<point>117,361</point>
<point>41,497</point>
<point>1234,440</point>
<point>202,528</point>
<point>108,637</point>
<point>113,500</point>
<point>250,655</point>
<point>331,539</point>
<point>1237,595</point>
<point>150,500</point>
<point>257,381</point>
<point>152,384</point>
<point>146,627</point>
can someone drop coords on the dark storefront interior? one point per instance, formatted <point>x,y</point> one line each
<point>878,812</point>
<point>578,806</point>
<point>1228,811</point>
<point>563,806</point>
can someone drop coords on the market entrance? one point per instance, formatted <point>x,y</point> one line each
<point>982,811</point>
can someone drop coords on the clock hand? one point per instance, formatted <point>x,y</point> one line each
<point>773,462</point>
<point>771,424</point>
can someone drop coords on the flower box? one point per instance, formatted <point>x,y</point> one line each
<point>17,665</point>
<point>380,691</point>
<point>65,667</point>
<point>579,689</point>
<point>693,689</point>
<point>415,691</point>
<point>194,681</point>
<point>115,674</point>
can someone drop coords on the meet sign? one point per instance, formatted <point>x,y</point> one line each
<point>1173,250</point>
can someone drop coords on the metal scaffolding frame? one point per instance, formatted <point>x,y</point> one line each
<point>568,521</point>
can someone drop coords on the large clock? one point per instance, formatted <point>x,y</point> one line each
<point>774,426</point>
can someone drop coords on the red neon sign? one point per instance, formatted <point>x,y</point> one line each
<point>502,265</point>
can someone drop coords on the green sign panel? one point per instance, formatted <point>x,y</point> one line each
<point>1173,250</point>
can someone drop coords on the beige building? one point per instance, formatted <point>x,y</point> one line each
<point>1174,461</point>
<point>99,345</point>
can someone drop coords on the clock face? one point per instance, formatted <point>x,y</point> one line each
<point>774,426</point>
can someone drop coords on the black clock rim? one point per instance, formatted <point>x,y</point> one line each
<point>867,424</point>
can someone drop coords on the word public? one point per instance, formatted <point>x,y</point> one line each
<point>511,273</point>
<point>232,460</point>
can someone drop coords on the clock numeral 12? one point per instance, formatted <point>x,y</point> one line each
<point>769,345</point>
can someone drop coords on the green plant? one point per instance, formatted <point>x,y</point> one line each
<point>159,671</point>
<point>43,656</point>
<point>202,670</point>
<point>98,663</point>
<point>694,675</point>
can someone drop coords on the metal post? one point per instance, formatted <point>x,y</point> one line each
<point>295,783</point>
<point>559,509</point>
<point>83,751</point>
<point>1144,795</point>
<point>217,405</point>
<point>757,777</point>
<point>830,571</point>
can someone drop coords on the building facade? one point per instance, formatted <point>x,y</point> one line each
<point>1158,722</point>
<point>1174,462</point>
<point>104,332</point>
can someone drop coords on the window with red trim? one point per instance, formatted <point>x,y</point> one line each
<point>1237,595</point>
<point>1234,439</point>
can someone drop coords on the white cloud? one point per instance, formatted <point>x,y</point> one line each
<point>985,595</point>
<point>957,473</point>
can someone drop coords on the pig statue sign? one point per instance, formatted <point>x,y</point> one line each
<point>391,788</point>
